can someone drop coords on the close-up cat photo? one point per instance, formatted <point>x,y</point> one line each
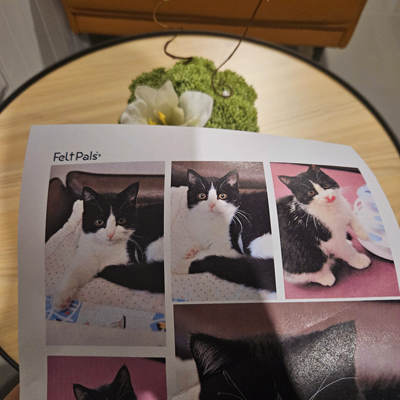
<point>106,378</point>
<point>221,227</point>
<point>324,243</point>
<point>288,351</point>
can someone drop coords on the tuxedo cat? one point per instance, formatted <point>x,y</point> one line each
<point>119,389</point>
<point>210,221</point>
<point>114,232</point>
<point>319,365</point>
<point>313,228</point>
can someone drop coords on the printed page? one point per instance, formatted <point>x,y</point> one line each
<point>192,263</point>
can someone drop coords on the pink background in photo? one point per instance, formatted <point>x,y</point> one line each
<point>148,376</point>
<point>379,279</point>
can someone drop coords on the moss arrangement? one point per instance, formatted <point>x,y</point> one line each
<point>236,112</point>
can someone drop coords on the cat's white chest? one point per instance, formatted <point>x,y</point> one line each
<point>335,217</point>
<point>104,253</point>
<point>196,229</point>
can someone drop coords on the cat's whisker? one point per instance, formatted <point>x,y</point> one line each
<point>236,219</point>
<point>230,381</point>
<point>138,250</point>
<point>330,384</point>
<point>243,212</point>
<point>315,224</point>
<point>229,394</point>
<point>141,237</point>
<point>240,213</point>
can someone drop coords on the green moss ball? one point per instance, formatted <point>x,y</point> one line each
<point>236,112</point>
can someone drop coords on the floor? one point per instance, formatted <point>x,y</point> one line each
<point>371,61</point>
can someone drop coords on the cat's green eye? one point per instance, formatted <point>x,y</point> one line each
<point>222,196</point>
<point>201,196</point>
<point>99,222</point>
<point>121,220</point>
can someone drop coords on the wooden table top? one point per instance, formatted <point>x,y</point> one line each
<point>294,99</point>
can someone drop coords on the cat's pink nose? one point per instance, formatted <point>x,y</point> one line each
<point>330,199</point>
<point>212,206</point>
<point>110,235</point>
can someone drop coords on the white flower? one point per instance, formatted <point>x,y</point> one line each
<point>163,107</point>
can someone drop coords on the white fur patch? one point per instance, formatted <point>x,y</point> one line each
<point>262,247</point>
<point>200,231</point>
<point>155,250</point>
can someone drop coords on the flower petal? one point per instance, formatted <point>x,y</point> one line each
<point>148,95</point>
<point>197,107</point>
<point>166,94</point>
<point>174,115</point>
<point>135,113</point>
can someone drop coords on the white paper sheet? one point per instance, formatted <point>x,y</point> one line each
<point>51,351</point>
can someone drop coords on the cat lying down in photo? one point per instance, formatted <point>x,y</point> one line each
<point>112,231</point>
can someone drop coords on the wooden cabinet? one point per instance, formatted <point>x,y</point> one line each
<point>289,22</point>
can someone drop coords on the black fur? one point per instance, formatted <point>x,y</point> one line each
<point>142,276</point>
<point>251,221</point>
<point>269,367</point>
<point>254,272</point>
<point>119,389</point>
<point>301,236</point>
<point>241,369</point>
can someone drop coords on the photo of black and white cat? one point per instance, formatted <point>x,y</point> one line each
<point>120,388</point>
<point>115,232</point>
<point>321,234</point>
<point>101,252</point>
<point>106,378</point>
<point>220,224</point>
<point>292,351</point>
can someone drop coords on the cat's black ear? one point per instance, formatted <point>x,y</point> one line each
<point>313,168</point>
<point>193,177</point>
<point>285,179</point>
<point>130,193</point>
<point>211,354</point>
<point>88,194</point>
<point>232,178</point>
<point>122,381</point>
<point>81,393</point>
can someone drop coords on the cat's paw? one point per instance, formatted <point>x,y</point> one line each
<point>361,261</point>
<point>181,267</point>
<point>362,234</point>
<point>327,279</point>
<point>191,253</point>
<point>61,301</point>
